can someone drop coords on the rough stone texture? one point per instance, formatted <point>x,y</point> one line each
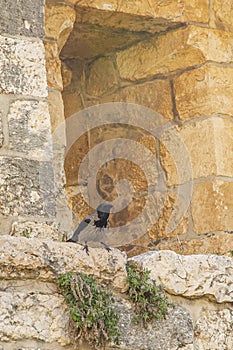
<point>26,187</point>
<point>56,110</point>
<point>19,317</point>
<point>29,129</point>
<point>206,141</point>
<point>102,77</point>
<point>219,243</point>
<point>59,21</point>
<point>175,332</point>
<point>214,330</point>
<point>88,41</point>
<point>222,15</point>
<point>212,206</point>
<point>174,51</point>
<point>197,11</point>
<point>155,95</point>
<point>192,276</point>
<point>32,229</point>
<point>204,91</point>
<point>1,131</point>
<point>22,17</point>
<point>32,258</point>
<point>53,66</point>
<point>22,67</point>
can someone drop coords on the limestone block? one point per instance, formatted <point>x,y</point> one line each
<point>22,67</point>
<point>45,260</point>
<point>88,41</point>
<point>59,21</point>
<point>222,15</point>
<point>73,103</point>
<point>176,332</point>
<point>26,187</point>
<point>219,243</point>
<point>102,77</point>
<point>166,53</point>
<point>29,129</point>
<point>1,131</point>
<point>213,330</point>
<point>33,316</point>
<point>175,50</point>
<point>204,91</point>
<point>56,109</point>
<point>204,144</point>
<point>197,11</point>
<point>22,18</point>
<point>155,95</point>
<point>192,276</point>
<point>53,66</point>
<point>212,206</point>
<point>32,229</point>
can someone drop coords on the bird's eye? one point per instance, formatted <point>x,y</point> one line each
<point>87,221</point>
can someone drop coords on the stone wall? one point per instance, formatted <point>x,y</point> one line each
<point>31,193</point>
<point>34,315</point>
<point>176,60</point>
<point>57,59</point>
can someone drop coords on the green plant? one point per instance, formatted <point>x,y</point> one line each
<point>150,301</point>
<point>90,308</point>
<point>26,233</point>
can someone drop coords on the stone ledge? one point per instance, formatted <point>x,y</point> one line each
<point>192,276</point>
<point>30,258</point>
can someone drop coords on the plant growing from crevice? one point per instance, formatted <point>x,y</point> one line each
<point>150,301</point>
<point>90,308</point>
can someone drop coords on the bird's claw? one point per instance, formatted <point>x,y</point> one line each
<point>86,248</point>
<point>106,247</point>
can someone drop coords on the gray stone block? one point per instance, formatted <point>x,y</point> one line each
<point>29,129</point>
<point>26,188</point>
<point>22,17</point>
<point>22,67</point>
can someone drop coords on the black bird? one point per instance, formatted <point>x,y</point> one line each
<point>99,218</point>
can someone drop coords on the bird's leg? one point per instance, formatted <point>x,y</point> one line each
<point>86,248</point>
<point>106,247</point>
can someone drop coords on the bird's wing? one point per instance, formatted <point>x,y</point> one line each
<point>89,220</point>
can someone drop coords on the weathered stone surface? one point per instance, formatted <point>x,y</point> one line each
<point>44,260</point>
<point>204,91</point>
<point>59,21</point>
<point>29,129</point>
<point>160,55</point>
<point>22,17</point>
<point>88,41</point>
<point>213,330</point>
<point>19,317</point>
<point>219,243</point>
<point>176,332</point>
<point>155,95</point>
<point>192,276</point>
<point>197,11</point>
<point>175,50</point>
<point>26,187</point>
<point>32,229</point>
<point>102,77</point>
<point>53,66</point>
<point>205,142</point>
<point>73,103</point>
<point>22,67</point>
<point>212,206</point>
<point>222,15</point>
<point>1,131</point>
<point>56,110</point>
